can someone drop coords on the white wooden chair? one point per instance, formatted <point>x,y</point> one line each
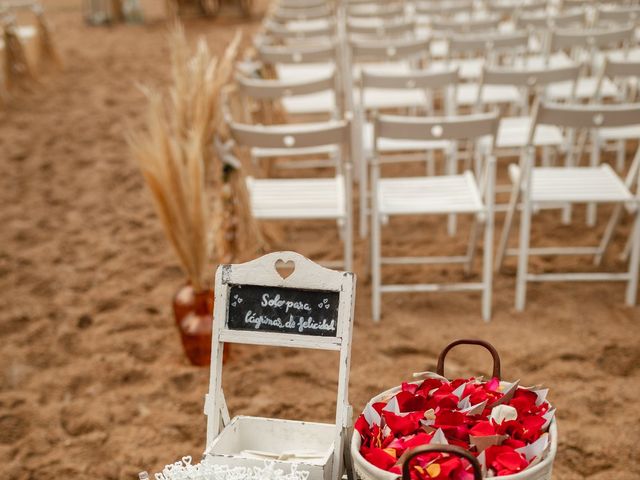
<point>627,75</point>
<point>302,198</point>
<point>537,186</point>
<point>466,193</point>
<point>303,101</point>
<point>428,86</point>
<point>473,52</point>
<point>586,45</point>
<point>513,131</point>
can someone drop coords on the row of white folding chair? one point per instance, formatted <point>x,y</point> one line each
<point>511,135</point>
<point>468,193</point>
<point>598,183</point>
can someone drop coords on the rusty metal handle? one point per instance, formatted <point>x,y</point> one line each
<point>409,455</point>
<point>482,343</point>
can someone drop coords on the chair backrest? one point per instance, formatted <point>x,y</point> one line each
<point>399,28</point>
<point>529,78</point>
<point>511,9</point>
<point>267,89</point>
<point>421,79</point>
<point>488,43</point>
<point>376,10</point>
<point>390,50</point>
<point>291,136</point>
<point>283,31</point>
<point>590,39</point>
<point>471,25</point>
<point>621,15</point>
<point>292,4</point>
<point>322,53</point>
<point>584,116</point>
<point>463,127</point>
<point>544,21</point>
<point>292,14</point>
<point>621,68</point>
<point>443,9</point>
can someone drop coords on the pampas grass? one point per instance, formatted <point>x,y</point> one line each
<point>177,158</point>
<point>49,52</point>
<point>17,70</point>
<point>174,172</point>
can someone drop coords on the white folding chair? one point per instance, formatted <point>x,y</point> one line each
<point>471,53</point>
<point>306,101</point>
<point>424,88</point>
<point>302,198</point>
<point>537,186</point>
<point>467,193</point>
<point>586,45</point>
<point>627,75</point>
<point>513,131</point>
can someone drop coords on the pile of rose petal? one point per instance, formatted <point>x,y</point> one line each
<point>502,424</point>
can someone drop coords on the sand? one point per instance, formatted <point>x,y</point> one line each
<point>93,382</point>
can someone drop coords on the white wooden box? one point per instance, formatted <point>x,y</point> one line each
<point>313,442</point>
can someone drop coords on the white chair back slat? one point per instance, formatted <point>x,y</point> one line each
<point>584,116</point>
<point>436,128</point>
<point>291,136</point>
<point>261,89</point>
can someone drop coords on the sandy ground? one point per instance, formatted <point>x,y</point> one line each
<point>93,383</point>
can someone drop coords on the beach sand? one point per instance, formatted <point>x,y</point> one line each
<point>93,381</point>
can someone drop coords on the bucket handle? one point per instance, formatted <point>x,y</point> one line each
<point>482,343</point>
<point>409,455</point>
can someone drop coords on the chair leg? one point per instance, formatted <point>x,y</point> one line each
<point>620,154</point>
<point>364,197</point>
<point>375,268</point>
<point>523,251</point>
<point>489,225</point>
<point>452,167</point>
<point>595,161</point>
<point>375,251</point>
<point>506,229</point>
<point>431,163</point>
<point>473,241</point>
<point>608,234</point>
<point>546,157</point>
<point>634,262</point>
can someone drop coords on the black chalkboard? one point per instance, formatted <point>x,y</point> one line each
<point>283,310</point>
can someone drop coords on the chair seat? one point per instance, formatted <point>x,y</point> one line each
<point>386,145</point>
<point>620,133</point>
<point>429,195</point>
<point>320,102</point>
<point>514,131</point>
<point>585,89</point>
<point>491,94</point>
<point>299,198</point>
<point>575,184</point>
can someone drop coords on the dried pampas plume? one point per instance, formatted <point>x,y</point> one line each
<point>177,157</point>
<point>17,71</point>
<point>174,173</point>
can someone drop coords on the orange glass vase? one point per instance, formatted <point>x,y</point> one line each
<point>193,311</point>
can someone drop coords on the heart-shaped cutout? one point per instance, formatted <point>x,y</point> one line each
<point>285,269</point>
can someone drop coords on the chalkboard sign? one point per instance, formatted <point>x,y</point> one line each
<point>283,310</point>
